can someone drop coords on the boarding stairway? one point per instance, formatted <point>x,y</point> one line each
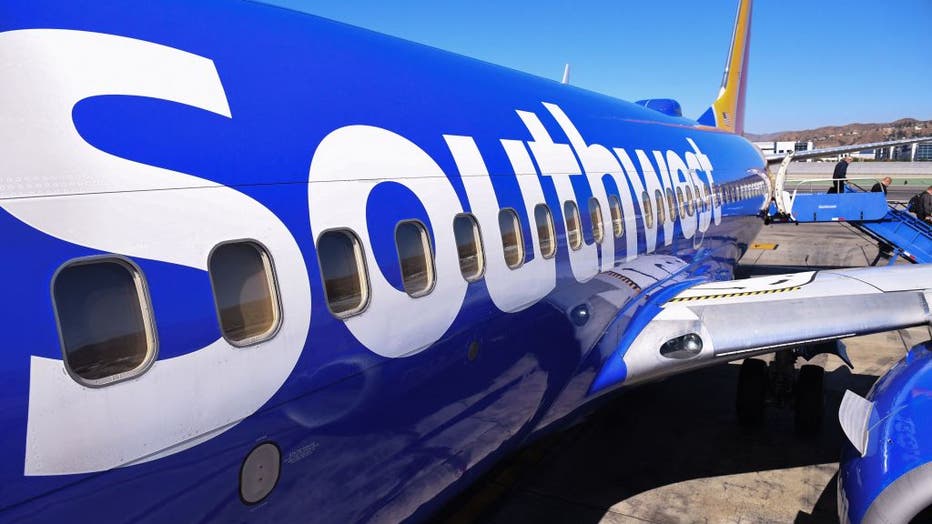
<point>898,232</point>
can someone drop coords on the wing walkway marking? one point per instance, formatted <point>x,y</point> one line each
<point>740,294</point>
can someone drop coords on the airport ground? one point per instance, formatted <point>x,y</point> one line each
<point>672,451</point>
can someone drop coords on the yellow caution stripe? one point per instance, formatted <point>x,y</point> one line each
<point>632,284</point>
<point>739,294</point>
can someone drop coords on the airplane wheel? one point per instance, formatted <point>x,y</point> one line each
<point>809,399</point>
<point>752,392</point>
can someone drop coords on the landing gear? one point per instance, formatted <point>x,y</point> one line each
<point>780,385</point>
<point>753,383</point>
<point>809,399</point>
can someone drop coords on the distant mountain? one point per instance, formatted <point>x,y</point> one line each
<point>830,136</point>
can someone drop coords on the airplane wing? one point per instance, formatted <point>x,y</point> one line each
<point>742,318</point>
<point>830,151</point>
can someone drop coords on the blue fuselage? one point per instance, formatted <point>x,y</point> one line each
<point>310,125</point>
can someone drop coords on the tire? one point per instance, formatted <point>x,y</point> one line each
<point>752,392</point>
<point>810,399</point>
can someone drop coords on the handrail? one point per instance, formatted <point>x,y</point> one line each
<point>832,181</point>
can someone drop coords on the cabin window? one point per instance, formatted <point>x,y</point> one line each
<point>595,215</point>
<point>244,291</point>
<point>415,257</point>
<point>469,247</point>
<point>512,239</point>
<point>682,201</point>
<point>698,199</point>
<point>573,232</point>
<point>647,210</point>
<point>618,225</point>
<point>545,236</point>
<point>689,201</point>
<point>671,204</point>
<point>658,196</point>
<point>343,269</point>
<point>104,320</point>
<point>701,196</point>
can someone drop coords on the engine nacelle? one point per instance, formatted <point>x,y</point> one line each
<point>886,468</point>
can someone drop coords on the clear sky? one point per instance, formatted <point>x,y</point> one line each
<point>813,62</point>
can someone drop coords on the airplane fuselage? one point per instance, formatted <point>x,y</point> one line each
<point>154,134</point>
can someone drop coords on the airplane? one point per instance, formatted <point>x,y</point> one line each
<point>266,267</point>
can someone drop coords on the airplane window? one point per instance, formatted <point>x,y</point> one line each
<point>545,230</point>
<point>648,210</point>
<point>244,291</point>
<point>682,201</point>
<point>689,201</point>
<point>415,256</point>
<point>671,204</point>
<point>700,200</point>
<point>660,214</point>
<point>618,225</point>
<point>469,246</point>
<point>343,270</point>
<point>595,215</point>
<point>573,232</point>
<point>705,196</point>
<point>512,240</point>
<point>104,320</point>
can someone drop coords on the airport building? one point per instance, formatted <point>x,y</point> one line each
<point>783,147</point>
<point>907,153</point>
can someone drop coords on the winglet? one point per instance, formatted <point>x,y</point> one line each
<point>727,112</point>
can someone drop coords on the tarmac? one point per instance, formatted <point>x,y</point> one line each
<point>672,451</point>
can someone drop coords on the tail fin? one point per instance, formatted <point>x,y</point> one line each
<point>727,112</point>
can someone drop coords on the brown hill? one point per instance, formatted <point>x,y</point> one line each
<point>830,136</point>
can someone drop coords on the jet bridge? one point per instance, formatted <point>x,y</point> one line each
<point>898,231</point>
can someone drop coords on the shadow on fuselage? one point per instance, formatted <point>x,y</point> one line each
<point>656,435</point>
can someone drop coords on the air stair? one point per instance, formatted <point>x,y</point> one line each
<point>898,232</point>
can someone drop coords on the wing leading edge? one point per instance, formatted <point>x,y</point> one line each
<point>830,151</point>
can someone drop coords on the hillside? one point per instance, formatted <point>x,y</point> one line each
<point>851,133</point>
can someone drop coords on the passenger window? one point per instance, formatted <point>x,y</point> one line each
<point>104,320</point>
<point>658,196</point>
<point>699,201</point>
<point>595,215</point>
<point>682,201</point>
<point>702,195</point>
<point>416,257</point>
<point>512,240</point>
<point>573,233</point>
<point>618,225</point>
<point>469,247</point>
<point>689,201</point>
<point>545,235</point>
<point>647,210</point>
<point>343,269</point>
<point>244,291</point>
<point>671,204</point>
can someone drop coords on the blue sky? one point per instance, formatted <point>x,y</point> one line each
<point>813,62</point>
